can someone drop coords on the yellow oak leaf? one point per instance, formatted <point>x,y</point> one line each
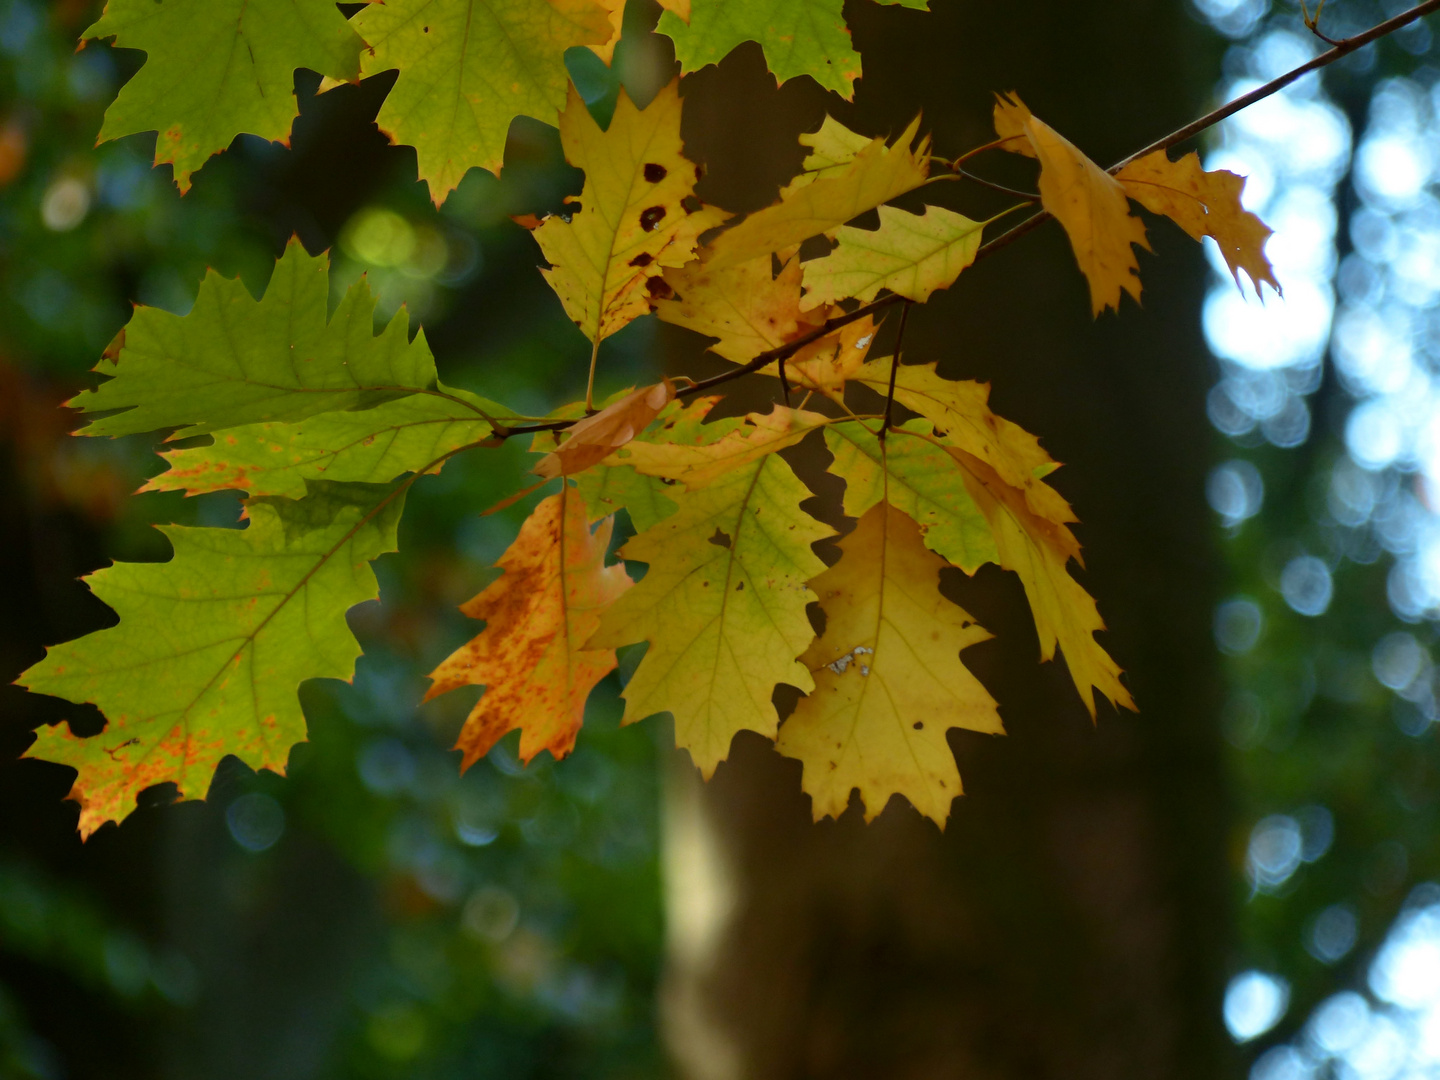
<point>1039,551</point>
<point>961,410</point>
<point>532,656</point>
<point>632,220</point>
<point>467,69</point>
<point>832,148</point>
<point>909,254</point>
<point>746,307</point>
<point>1203,204</point>
<point>722,607</point>
<point>593,439</point>
<point>877,174</point>
<point>1087,201</point>
<point>888,678</point>
<point>698,464</point>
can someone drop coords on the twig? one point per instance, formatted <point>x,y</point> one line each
<point>894,370</point>
<point>1028,196</point>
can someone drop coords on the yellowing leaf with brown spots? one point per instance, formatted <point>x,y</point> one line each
<point>1086,200</point>
<point>591,440</point>
<point>212,646</point>
<point>888,678</point>
<point>722,606</point>
<point>531,657</point>
<point>1203,204</point>
<point>467,69</point>
<point>875,175</point>
<point>632,220</point>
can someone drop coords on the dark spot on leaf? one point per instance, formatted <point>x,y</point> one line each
<point>655,173</point>
<point>919,725</point>
<point>659,288</point>
<point>720,539</point>
<point>699,172</point>
<point>643,259</point>
<point>690,204</point>
<point>651,217</point>
<point>740,587</point>
<point>667,481</point>
<point>427,29</point>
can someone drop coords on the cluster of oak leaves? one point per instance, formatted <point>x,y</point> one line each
<point>325,425</point>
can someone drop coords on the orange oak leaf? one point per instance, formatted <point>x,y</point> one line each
<point>1203,204</point>
<point>590,441</point>
<point>1087,201</point>
<point>531,656</point>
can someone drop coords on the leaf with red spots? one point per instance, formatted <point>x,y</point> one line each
<point>531,657</point>
<point>212,646</point>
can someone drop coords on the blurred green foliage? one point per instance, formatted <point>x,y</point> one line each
<point>376,914</point>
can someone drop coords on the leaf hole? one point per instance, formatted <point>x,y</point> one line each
<point>721,538</point>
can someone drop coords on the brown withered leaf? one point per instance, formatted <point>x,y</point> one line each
<point>590,441</point>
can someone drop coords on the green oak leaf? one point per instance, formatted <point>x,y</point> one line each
<point>468,68</point>
<point>367,446</point>
<point>212,645</point>
<point>237,360</point>
<point>217,68</point>
<point>918,477</point>
<point>798,37</point>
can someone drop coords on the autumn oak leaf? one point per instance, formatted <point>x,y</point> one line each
<point>217,68</point>
<point>531,657</point>
<point>1088,202</point>
<point>889,682</point>
<point>1203,204</point>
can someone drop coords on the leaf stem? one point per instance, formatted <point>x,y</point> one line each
<point>894,370</point>
<point>590,383</point>
<point>1028,196</point>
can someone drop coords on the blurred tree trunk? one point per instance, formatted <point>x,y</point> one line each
<point>1073,920</point>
